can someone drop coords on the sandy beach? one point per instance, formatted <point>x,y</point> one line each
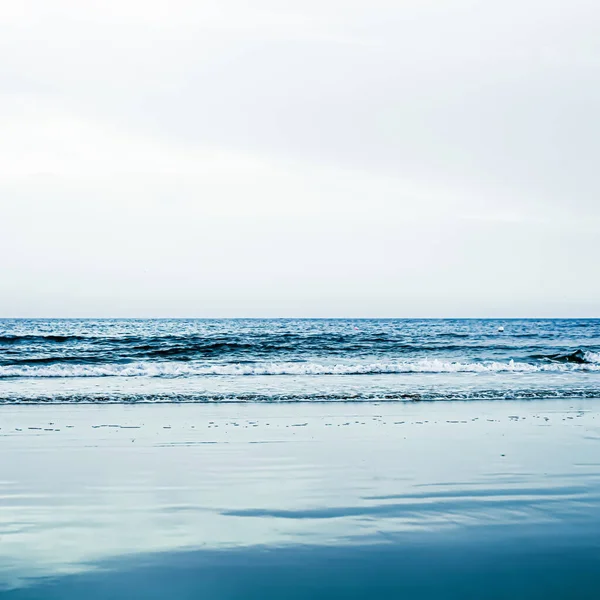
<point>301,500</point>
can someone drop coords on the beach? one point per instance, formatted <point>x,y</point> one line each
<point>298,301</point>
<point>494,499</point>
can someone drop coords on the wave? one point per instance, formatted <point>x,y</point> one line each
<point>99,351</point>
<point>578,356</point>
<point>18,339</point>
<point>275,398</point>
<point>178,369</point>
<point>165,346</point>
<point>243,352</point>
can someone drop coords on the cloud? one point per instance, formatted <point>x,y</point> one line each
<point>371,159</point>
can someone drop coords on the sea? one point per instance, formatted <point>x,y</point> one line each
<point>290,459</point>
<point>297,360</point>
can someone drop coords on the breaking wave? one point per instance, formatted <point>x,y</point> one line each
<point>578,356</point>
<point>178,369</point>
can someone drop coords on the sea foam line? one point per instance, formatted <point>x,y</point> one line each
<point>173,369</point>
<point>333,397</point>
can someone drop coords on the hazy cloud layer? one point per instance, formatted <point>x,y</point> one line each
<point>327,158</point>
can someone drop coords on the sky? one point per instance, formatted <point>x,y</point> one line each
<point>331,158</point>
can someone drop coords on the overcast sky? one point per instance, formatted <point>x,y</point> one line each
<point>317,158</point>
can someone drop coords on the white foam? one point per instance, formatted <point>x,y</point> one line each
<point>178,369</point>
<point>592,357</point>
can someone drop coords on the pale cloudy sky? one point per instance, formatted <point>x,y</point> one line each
<point>314,158</point>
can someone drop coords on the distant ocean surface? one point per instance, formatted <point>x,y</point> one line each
<point>286,360</point>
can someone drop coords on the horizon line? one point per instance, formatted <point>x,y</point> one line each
<point>291,318</point>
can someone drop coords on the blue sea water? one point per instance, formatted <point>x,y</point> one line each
<point>322,459</point>
<point>296,360</point>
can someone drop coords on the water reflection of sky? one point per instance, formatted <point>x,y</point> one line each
<point>90,490</point>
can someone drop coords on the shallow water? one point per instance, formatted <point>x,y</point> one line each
<point>494,499</point>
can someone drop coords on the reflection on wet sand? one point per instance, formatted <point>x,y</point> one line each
<point>452,500</point>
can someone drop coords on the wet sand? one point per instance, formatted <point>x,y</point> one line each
<point>354,500</point>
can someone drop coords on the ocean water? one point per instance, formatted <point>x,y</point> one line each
<point>296,360</point>
<point>321,459</point>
